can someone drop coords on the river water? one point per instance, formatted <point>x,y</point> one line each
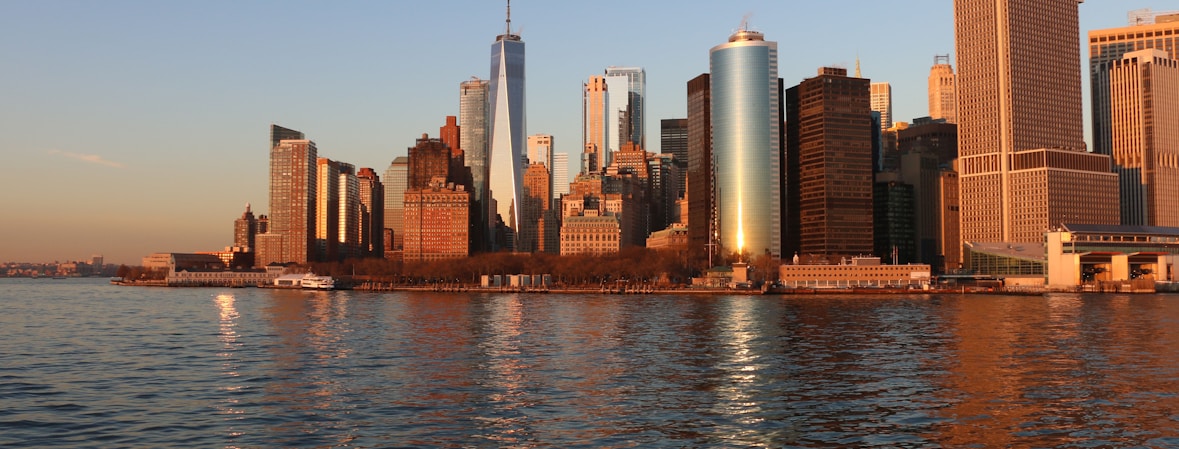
<point>86,364</point>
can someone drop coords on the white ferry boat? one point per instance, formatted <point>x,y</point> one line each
<point>307,281</point>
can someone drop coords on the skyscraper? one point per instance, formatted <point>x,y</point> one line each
<point>244,230</point>
<point>1023,163</point>
<point>449,133</point>
<point>882,103</point>
<point>594,129</point>
<point>327,210</point>
<point>746,145</point>
<point>829,148</point>
<point>372,212</point>
<point>560,174</point>
<point>473,116</point>
<point>290,235</point>
<point>1144,126</point>
<point>1147,31</point>
<point>507,136</point>
<point>943,98</point>
<point>628,92</point>
<point>673,139</point>
<point>428,158</point>
<point>701,213</point>
<point>540,149</point>
<point>397,179</point>
<point>349,214</point>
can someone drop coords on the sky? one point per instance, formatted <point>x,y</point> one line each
<point>134,127</point>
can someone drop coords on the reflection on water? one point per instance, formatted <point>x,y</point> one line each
<point>82,365</point>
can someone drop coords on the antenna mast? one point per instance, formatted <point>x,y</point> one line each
<point>509,21</point>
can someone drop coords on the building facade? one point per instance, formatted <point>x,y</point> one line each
<point>626,117</point>
<point>473,117</point>
<point>700,220</point>
<point>397,177</point>
<point>943,98</point>
<point>829,151</point>
<point>882,102</point>
<point>590,234</point>
<point>1023,166</point>
<point>507,137</point>
<point>436,222</point>
<point>673,139</point>
<point>746,143</point>
<point>245,228</point>
<point>1106,46</point>
<point>372,213</point>
<point>1144,131</point>
<point>290,236</point>
<point>595,102</point>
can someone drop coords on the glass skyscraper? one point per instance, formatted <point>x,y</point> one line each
<point>627,89</point>
<point>507,137</point>
<point>746,145</point>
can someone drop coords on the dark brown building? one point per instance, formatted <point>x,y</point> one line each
<point>925,136</point>
<point>829,130</point>
<point>700,198</point>
<point>428,159</point>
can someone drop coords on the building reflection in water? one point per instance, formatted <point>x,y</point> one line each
<point>230,361</point>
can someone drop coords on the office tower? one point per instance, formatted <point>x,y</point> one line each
<point>664,188</point>
<point>397,178</point>
<point>244,229</point>
<point>560,174</point>
<point>594,128</point>
<point>1147,30</point>
<point>1144,130</point>
<point>1022,159</point>
<point>893,217</point>
<point>882,103</point>
<point>327,210</point>
<point>372,213</point>
<point>540,149</point>
<point>590,234</point>
<point>949,225</point>
<point>932,137</point>
<point>943,101</point>
<point>920,171</point>
<point>746,143</point>
<point>507,136</point>
<point>290,235</point>
<point>437,218</point>
<point>628,93</point>
<point>829,153</point>
<point>449,133</point>
<point>673,139</point>
<point>473,117</point>
<point>348,237</point>
<point>701,226</point>
<point>536,201</point>
<point>428,158</point>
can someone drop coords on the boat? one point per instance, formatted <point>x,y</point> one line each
<point>311,281</point>
<point>307,281</point>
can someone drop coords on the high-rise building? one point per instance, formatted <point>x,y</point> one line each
<point>932,137</point>
<point>507,136</point>
<point>428,158</point>
<point>348,237</point>
<point>943,99</point>
<point>397,178</point>
<point>535,202</point>
<point>1023,164</point>
<point>327,210</point>
<point>628,94</point>
<point>673,139</point>
<point>746,143</point>
<point>290,235</point>
<point>436,222</point>
<point>372,213</point>
<point>244,230</point>
<point>893,232</point>
<point>882,103</point>
<point>560,174</point>
<point>949,225</point>
<point>829,153</point>
<point>449,133</point>
<point>701,214</point>
<point>473,117</point>
<point>1144,126</point>
<point>594,129</point>
<point>540,149</point>
<point>1146,31</point>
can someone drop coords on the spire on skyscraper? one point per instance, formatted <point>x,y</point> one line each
<point>858,75</point>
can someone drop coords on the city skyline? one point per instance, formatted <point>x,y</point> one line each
<point>149,129</point>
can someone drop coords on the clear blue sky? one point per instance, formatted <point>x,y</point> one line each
<point>132,127</point>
